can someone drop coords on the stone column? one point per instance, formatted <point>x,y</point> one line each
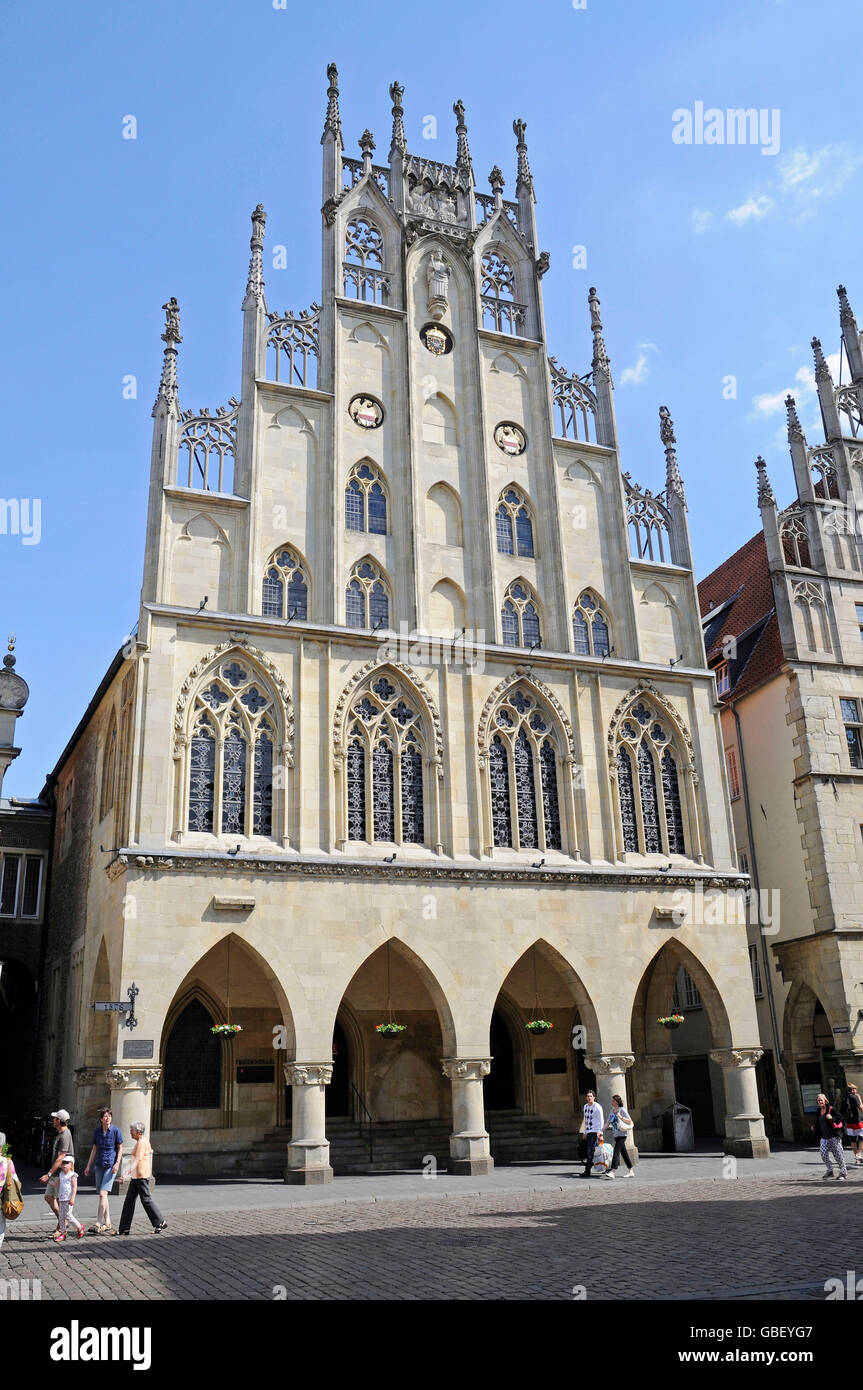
<point>131,1097</point>
<point>470,1154</point>
<point>309,1149</point>
<point>660,1066</point>
<point>610,1071</point>
<point>744,1123</point>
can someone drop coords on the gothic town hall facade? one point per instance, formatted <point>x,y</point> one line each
<point>416,729</point>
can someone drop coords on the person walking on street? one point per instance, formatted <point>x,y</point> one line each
<point>63,1144</point>
<point>67,1191</point>
<point>620,1124</point>
<point>828,1128</point>
<point>104,1159</point>
<point>6,1167</point>
<point>851,1110</point>
<point>593,1126</point>
<point>140,1172</point>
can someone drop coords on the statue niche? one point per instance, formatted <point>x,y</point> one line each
<point>438,272</point>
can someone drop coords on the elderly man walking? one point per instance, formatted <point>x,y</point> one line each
<point>63,1146</point>
<point>140,1172</point>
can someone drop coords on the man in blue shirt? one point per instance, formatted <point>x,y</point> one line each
<point>104,1159</point>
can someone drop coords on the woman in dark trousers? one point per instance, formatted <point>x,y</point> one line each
<point>139,1184</point>
<point>620,1124</point>
<point>828,1127</point>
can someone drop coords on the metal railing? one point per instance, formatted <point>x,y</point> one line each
<point>367,1113</point>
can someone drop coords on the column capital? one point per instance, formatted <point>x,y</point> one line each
<point>131,1078</point>
<point>737,1057</point>
<point>657,1060</point>
<point>308,1073</point>
<point>466,1068</point>
<point>601,1064</point>
<point>86,1076</point>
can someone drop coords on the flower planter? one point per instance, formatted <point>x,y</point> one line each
<point>390,1030</point>
<point>226,1030</point>
<point>671,1021</point>
<point>539,1025</point>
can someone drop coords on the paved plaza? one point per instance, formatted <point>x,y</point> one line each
<point>682,1229</point>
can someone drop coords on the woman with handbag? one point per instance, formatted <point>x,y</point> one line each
<point>620,1124</point>
<point>139,1173</point>
<point>828,1129</point>
<point>11,1202</point>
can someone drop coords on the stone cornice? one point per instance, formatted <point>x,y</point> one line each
<point>185,862</point>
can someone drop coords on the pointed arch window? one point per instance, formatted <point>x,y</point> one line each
<point>795,542</point>
<point>109,768</point>
<point>386,741</point>
<point>367,600</point>
<point>366,501</point>
<point>364,275</point>
<point>519,617</point>
<point>590,627</point>
<point>523,761</point>
<point>648,784</point>
<point>809,602</point>
<point>514,525</point>
<point>285,588</point>
<point>231,753</point>
<point>500,312</point>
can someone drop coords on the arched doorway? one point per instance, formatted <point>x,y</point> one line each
<point>810,1049</point>
<point>499,1087</point>
<point>338,1093</point>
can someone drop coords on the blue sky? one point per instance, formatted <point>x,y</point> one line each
<point>710,260</point>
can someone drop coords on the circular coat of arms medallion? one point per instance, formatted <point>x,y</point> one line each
<point>366,412</point>
<point>510,438</point>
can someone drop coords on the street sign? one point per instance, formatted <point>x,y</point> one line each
<point>114,1006</point>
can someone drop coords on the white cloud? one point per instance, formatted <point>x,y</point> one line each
<point>634,376</point>
<point>700,220</point>
<point>753,207</point>
<point>804,391</point>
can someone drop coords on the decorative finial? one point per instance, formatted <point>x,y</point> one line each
<point>822,371</point>
<point>11,646</point>
<point>496,179</point>
<point>524,175</point>
<point>399,140</point>
<point>600,356</point>
<point>255,281</point>
<point>171,337</point>
<point>673,480</point>
<point>795,429</point>
<point>9,659</point>
<point>765,491</point>
<point>462,154</point>
<point>366,143</point>
<point>333,121</point>
<point>845,314</point>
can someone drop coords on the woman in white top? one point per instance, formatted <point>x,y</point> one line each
<point>620,1124</point>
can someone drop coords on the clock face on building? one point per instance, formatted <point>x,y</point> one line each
<point>510,438</point>
<point>366,412</point>
<point>436,339</point>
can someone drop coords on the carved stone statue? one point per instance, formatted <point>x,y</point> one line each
<point>438,273</point>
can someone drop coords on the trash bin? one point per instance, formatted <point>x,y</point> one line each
<point>677,1133</point>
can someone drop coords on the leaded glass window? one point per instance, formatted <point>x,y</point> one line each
<point>671,796</point>
<point>513,517</point>
<point>366,501</point>
<point>367,601</point>
<point>519,617</point>
<point>523,773</point>
<point>231,754</point>
<point>499,773</point>
<point>234,783</point>
<point>651,815</point>
<point>285,576</point>
<point>590,627</point>
<point>385,763</point>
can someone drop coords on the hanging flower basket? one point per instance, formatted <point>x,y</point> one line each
<point>226,1030</point>
<point>390,1030</point>
<point>671,1020</point>
<point>539,1025</point>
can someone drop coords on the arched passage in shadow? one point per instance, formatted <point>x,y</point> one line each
<point>810,1054</point>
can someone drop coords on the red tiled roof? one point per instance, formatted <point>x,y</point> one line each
<point>745,574</point>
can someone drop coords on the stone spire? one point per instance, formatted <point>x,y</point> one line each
<point>826,397</point>
<point>333,122</point>
<point>600,356</point>
<point>524,178</point>
<point>765,491</point>
<point>850,336</point>
<point>462,153</point>
<point>255,281</point>
<point>399,140</point>
<point>171,338</point>
<point>14,694</point>
<point>673,480</point>
<point>822,371</point>
<point>795,429</point>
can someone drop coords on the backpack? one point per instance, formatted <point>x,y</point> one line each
<point>12,1202</point>
<point>849,1108</point>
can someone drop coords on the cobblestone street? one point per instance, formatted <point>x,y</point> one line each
<point>776,1237</point>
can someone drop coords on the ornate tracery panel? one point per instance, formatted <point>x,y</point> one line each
<point>524,759</point>
<point>231,752</point>
<point>386,754</point>
<point>499,309</point>
<point>647,766</point>
<point>364,275</point>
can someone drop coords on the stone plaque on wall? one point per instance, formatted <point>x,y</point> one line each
<point>137,1047</point>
